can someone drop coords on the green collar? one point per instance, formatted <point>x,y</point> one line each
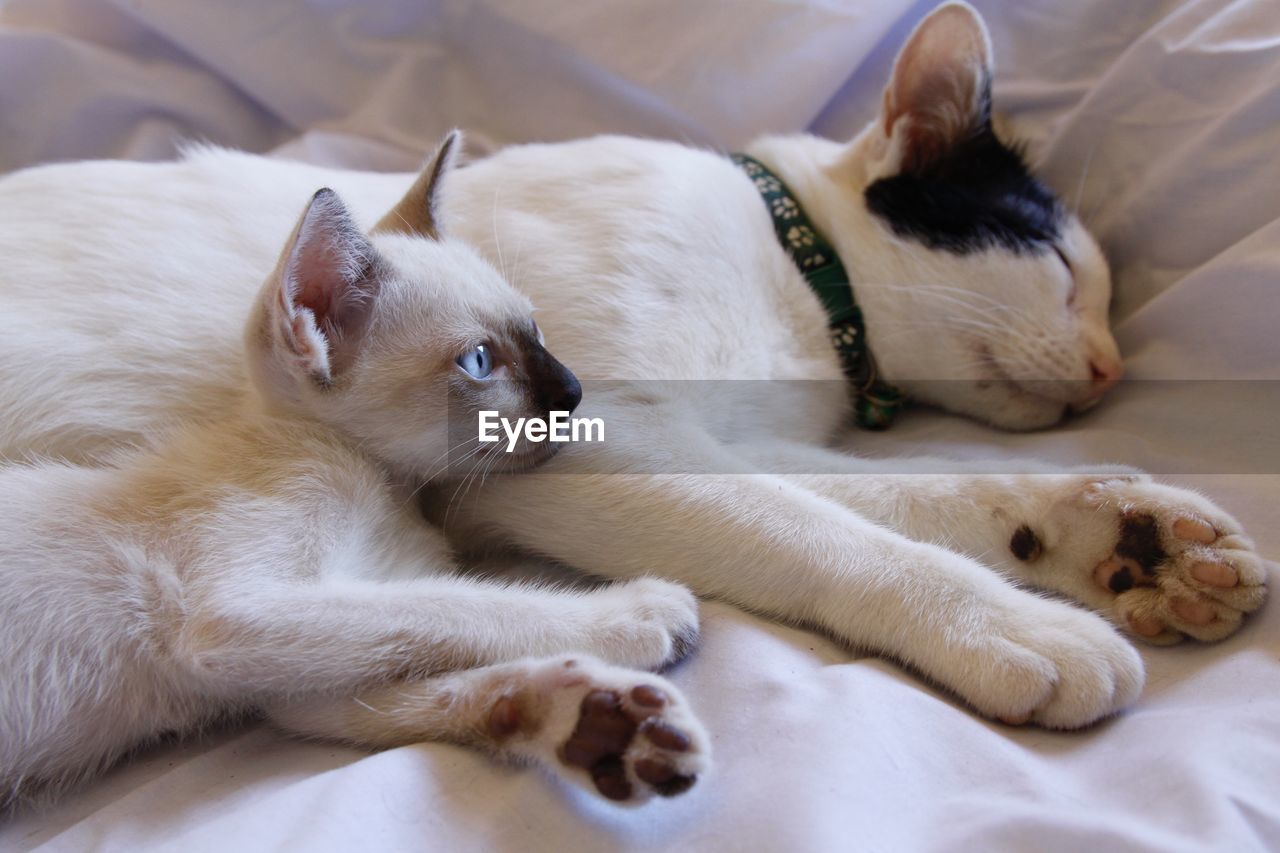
<point>876,402</point>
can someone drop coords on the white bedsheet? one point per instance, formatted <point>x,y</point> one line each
<point>1159,119</point>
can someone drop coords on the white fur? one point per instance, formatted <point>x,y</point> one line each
<point>124,285</point>
<point>269,555</point>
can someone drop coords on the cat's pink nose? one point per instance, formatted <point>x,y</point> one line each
<point>1104,373</point>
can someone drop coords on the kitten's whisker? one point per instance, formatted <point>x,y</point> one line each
<point>449,451</point>
<point>468,457</point>
<point>493,463</point>
<point>466,482</point>
<point>497,241</point>
<point>432,473</point>
<point>468,478</point>
<point>515,272</point>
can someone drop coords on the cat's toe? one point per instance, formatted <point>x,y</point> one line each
<point>1215,574</point>
<point>647,623</point>
<point>1190,528</point>
<point>1057,666</point>
<point>1165,618</point>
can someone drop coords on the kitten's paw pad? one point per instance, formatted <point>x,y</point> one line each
<point>1178,566</point>
<point>628,736</point>
<point>610,725</point>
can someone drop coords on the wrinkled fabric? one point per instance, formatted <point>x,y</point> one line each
<point>1156,120</point>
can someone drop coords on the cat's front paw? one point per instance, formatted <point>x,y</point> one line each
<point>1050,663</point>
<point>1162,562</point>
<point>646,623</point>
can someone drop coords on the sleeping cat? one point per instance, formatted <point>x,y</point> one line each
<point>657,268</point>
<point>268,558</point>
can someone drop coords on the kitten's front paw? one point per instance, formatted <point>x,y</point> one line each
<point>1162,562</point>
<point>627,736</point>
<point>646,623</point>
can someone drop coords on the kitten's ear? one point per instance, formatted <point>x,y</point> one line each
<point>940,92</point>
<point>417,213</point>
<point>324,290</point>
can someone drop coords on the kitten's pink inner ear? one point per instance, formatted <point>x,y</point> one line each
<point>319,274</point>
<point>940,84</point>
<point>327,286</point>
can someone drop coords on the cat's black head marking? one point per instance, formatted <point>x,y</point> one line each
<point>976,195</point>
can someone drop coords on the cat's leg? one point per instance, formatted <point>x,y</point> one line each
<point>627,735</point>
<point>771,546</point>
<point>1160,561</point>
<point>339,634</point>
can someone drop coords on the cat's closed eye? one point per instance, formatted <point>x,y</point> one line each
<point>1071,292</point>
<point>477,363</point>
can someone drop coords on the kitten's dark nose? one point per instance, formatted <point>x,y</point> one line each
<point>556,389</point>
<point>570,393</point>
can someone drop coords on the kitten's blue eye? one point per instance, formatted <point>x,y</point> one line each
<point>478,363</point>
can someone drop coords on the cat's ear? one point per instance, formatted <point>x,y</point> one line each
<point>418,212</point>
<point>940,92</point>
<point>324,290</point>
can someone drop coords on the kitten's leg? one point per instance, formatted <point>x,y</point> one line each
<point>1159,561</point>
<point>767,544</point>
<point>627,735</point>
<point>338,634</point>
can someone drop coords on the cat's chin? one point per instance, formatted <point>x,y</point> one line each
<point>529,460</point>
<point>1000,403</point>
<point>1027,410</point>
<point>1025,415</point>
<point>1014,404</point>
<point>526,458</point>
<point>495,462</point>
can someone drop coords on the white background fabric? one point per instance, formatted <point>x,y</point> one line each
<point>1159,119</point>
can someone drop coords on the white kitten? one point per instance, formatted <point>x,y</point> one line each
<point>658,264</point>
<point>267,558</point>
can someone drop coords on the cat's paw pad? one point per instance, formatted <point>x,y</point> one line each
<point>625,742</point>
<point>1178,565</point>
<point>628,736</point>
